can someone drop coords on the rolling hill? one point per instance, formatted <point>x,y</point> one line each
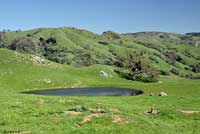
<point>169,53</point>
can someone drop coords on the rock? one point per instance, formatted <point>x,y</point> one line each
<point>152,111</point>
<point>152,94</point>
<point>162,94</point>
<point>103,74</point>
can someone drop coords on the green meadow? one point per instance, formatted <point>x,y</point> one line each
<point>35,114</point>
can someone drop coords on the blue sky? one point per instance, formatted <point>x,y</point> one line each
<point>100,15</point>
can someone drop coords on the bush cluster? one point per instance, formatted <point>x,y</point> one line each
<point>138,68</point>
<point>24,44</point>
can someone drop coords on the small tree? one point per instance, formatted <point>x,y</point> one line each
<point>139,68</point>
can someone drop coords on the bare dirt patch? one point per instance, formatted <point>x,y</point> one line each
<point>119,120</point>
<point>188,111</point>
<point>73,112</point>
<point>90,117</point>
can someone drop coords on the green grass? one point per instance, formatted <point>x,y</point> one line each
<point>45,115</point>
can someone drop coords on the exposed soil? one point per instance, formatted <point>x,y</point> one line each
<point>119,120</point>
<point>96,113</point>
<point>188,111</point>
<point>73,112</point>
<point>90,117</point>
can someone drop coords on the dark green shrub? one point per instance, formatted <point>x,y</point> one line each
<point>191,76</point>
<point>2,45</point>
<point>108,62</point>
<point>186,68</point>
<point>118,63</point>
<point>51,40</point>
<point>79,109</point>
<point>103,43</point>
<point>113,52</point>
<point>180,59</point>
<point>195,68</point>
<point>162,72</point>
<point>174,71</point>
<point>150,45</point>
<point>185,37</point>
<point>28,35</point>
<point>61,60</point>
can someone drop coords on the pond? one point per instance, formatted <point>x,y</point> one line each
<point>104,91</point>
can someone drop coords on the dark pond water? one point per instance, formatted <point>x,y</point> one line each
<point>87,92</point>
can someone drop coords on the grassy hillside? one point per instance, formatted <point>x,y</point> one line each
<point>168,52</point>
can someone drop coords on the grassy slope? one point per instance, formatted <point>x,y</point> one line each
<point>71,40</point>
<point>45,115</point>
